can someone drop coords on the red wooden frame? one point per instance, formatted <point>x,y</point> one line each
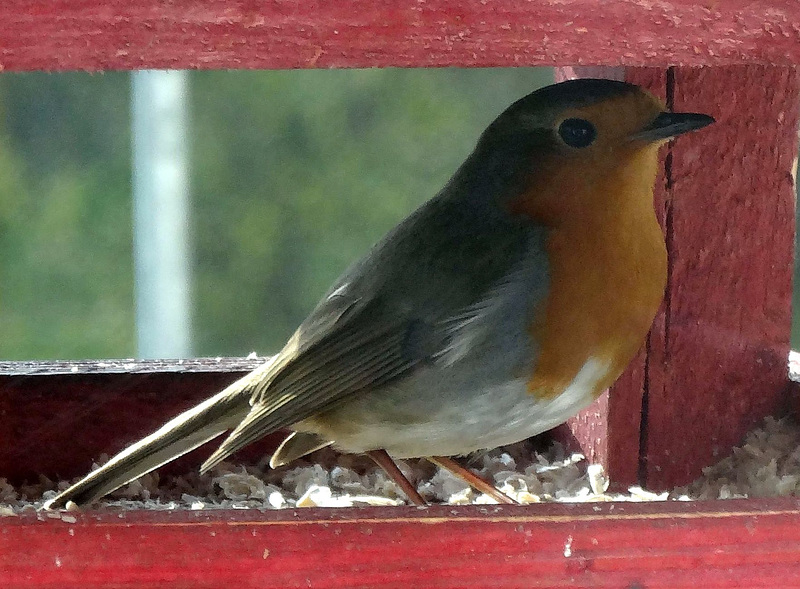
<point>675,545</point>
<point>130,34</point>
<point>716,360</point>
<point>45,403</point>
<point>714,364</point>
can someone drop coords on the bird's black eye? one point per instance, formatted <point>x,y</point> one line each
<point>577,132</point>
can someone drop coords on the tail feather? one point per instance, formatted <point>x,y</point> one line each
<point>297,444</point>
<point>178,436</point>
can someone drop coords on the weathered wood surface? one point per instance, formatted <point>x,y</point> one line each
<point>716,360</point>
<point>30,368</point>
<point>719,363</point>
<point>57,417</point>
<point>747,544</point>
<point>133,34</point>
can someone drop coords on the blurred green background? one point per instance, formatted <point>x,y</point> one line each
<point>294,174</point>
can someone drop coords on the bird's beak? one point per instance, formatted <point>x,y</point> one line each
<point>671,124</point>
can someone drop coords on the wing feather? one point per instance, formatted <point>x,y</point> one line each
<point>361,356</point>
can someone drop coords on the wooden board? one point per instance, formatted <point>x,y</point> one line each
<point>716,358</point>
<point>134,34</point>
<point>57,417</point>
<point>718,364</point>
<point>718,545</point>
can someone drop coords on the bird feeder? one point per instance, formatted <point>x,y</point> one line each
<point>714,365</point>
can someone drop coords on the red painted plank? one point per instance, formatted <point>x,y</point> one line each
<point>719,362</point>
<point>717,354</point>
<point>79,410</point>
<point>133,34</point>
<point>748,544</point>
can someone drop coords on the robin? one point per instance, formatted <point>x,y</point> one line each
<point>494,312</point>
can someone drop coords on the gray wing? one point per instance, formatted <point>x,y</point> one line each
<point>363,351</point>
<point>399,307</point>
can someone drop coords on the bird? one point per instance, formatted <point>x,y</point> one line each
<point>495,311</point>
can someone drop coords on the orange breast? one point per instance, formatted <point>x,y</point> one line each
<point>608,268</point>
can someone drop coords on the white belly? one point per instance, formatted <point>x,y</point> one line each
<point>492,417</point>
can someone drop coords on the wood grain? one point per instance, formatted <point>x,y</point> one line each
<point>100,35</point>
<point>676,545</point>
<point>57,417</point>
<point>718,363</point>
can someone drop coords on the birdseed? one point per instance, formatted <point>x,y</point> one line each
<point>767,464</point>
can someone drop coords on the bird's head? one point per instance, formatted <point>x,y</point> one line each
<point>581,143</point>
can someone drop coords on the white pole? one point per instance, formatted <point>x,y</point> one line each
<point>160,213</point>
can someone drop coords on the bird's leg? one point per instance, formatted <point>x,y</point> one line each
<point>473,480</point>
<point>385,461</point>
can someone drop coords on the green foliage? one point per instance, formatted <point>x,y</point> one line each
<point>65,233</point>
<point>295,174</point>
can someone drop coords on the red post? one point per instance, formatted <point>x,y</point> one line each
<point>716,360</point>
